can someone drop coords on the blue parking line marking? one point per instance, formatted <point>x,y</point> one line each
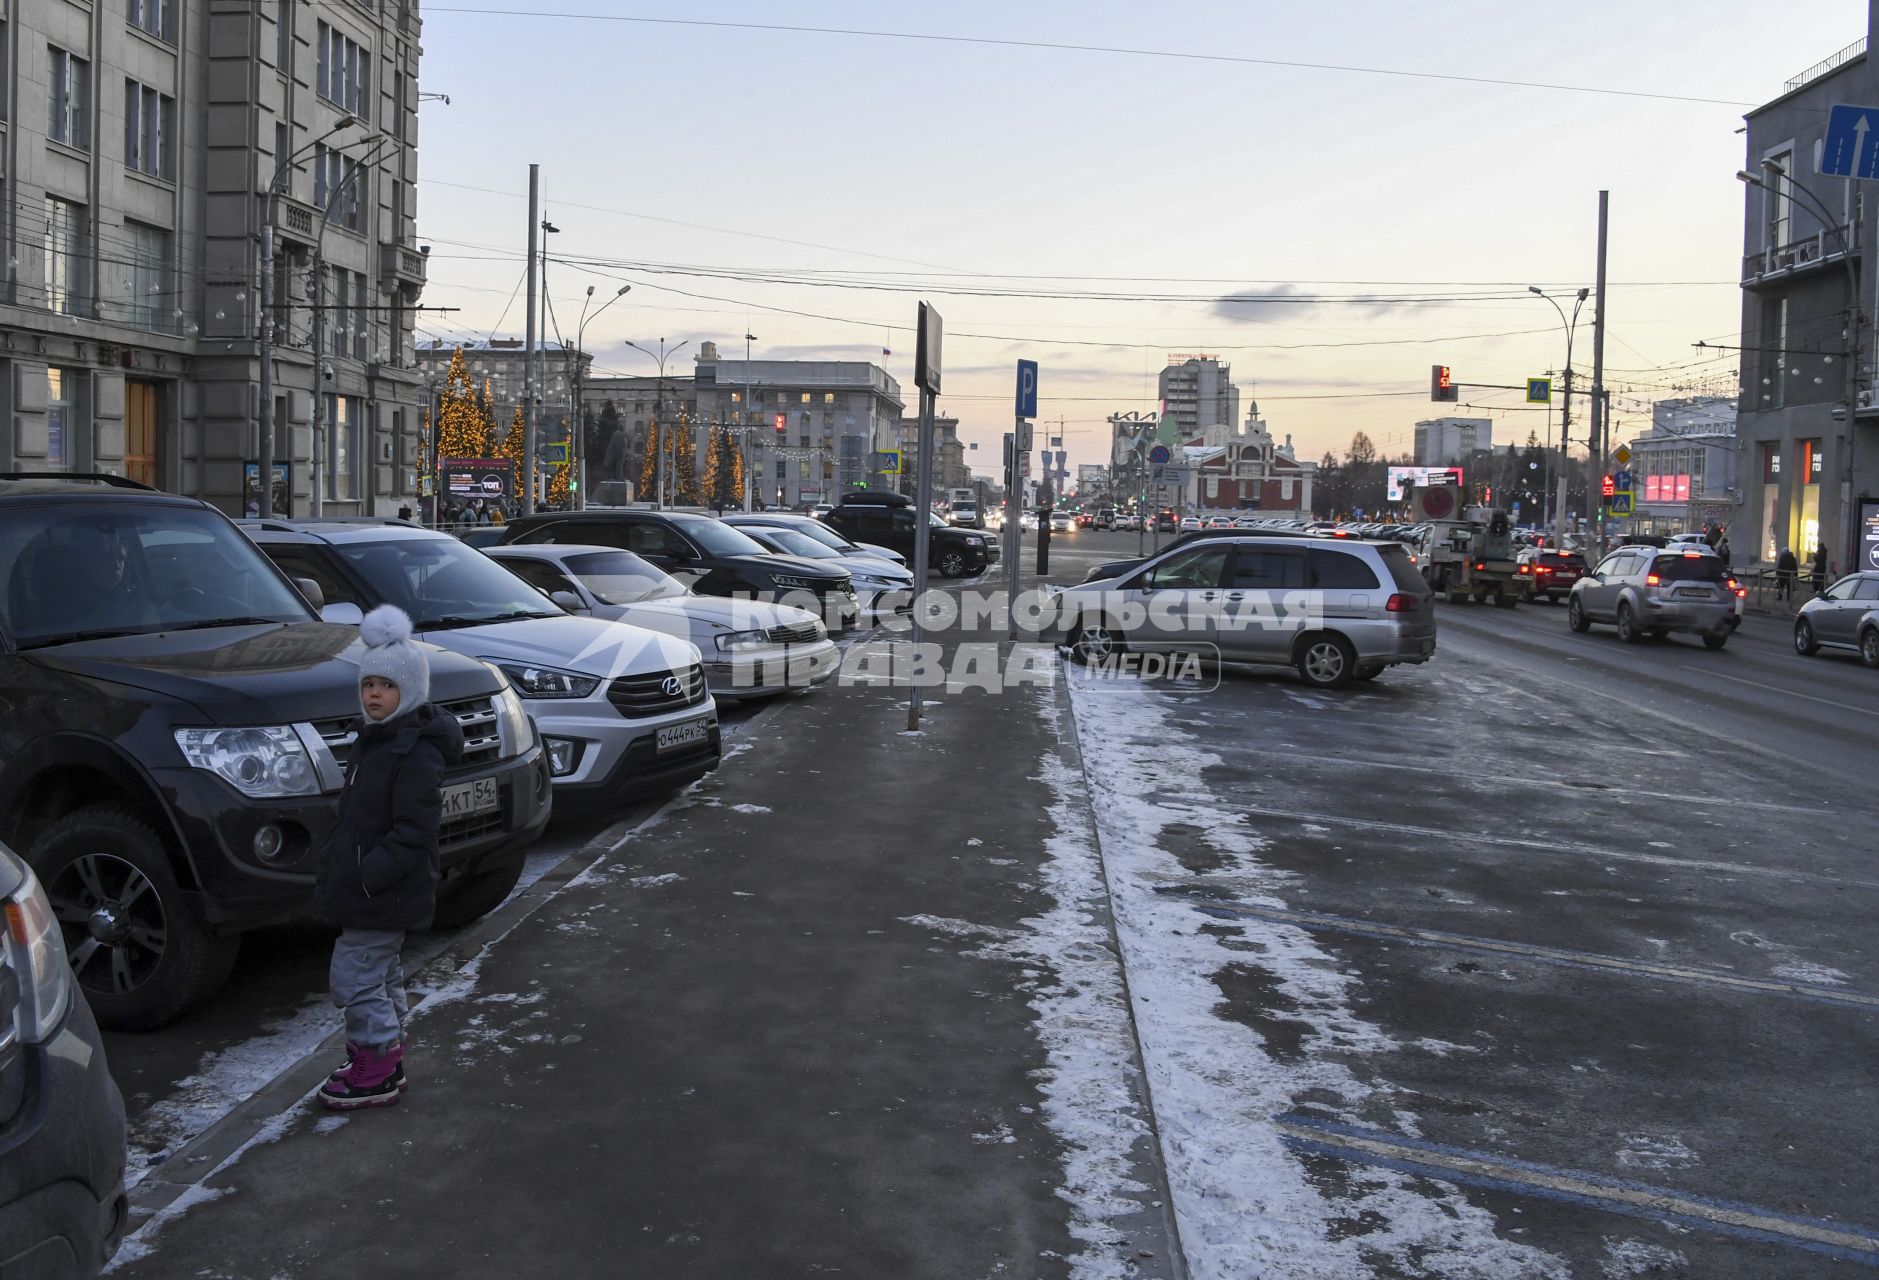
<point>1843,1241</point>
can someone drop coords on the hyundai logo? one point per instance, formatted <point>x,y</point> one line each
<point>672,687</point>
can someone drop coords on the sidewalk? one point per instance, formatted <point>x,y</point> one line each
<point>849,1007</point>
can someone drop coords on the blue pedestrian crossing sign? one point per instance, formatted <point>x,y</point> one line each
<point>1851,147</point>
<point>1621,504</point>
<point>1539,391</point>
<point>890,462</point>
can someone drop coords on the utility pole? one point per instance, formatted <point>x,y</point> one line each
<point>526,481</point>
<point>265,453</point>
<point>749,422</point>
<point>1601,410</point>
<point>1565,423</point>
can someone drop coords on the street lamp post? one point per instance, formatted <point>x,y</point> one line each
<point>1565,415</point>
<point>264,453</point>
<point>750,422</point>
<point>579,461</point>
<point>1850,379</point>
<point>659,413</point>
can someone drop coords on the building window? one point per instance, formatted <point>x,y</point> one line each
<point>65,256</point>
<point>1771,493</point>
<point>151,304</point>
<point>284,37</point>
<point>805,397</point>
<point>70,91</point>
<point>1780,201</point>
<point>61,392</point>
<point>336,183</point>
<point>361,318</point>
<point>343,72</point>
<point>342,453</point>
<point>149,131</point>
<point>828,397</point>
<point>155,17</point>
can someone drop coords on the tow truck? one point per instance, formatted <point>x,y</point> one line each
<point>1471,550</point>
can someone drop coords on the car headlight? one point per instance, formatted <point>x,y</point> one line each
<point>36,950</point>
<point>789,582</point>
<point>742,641</point>
<point>517,729</point>
<point>547,682</point>
<point>263,763</point>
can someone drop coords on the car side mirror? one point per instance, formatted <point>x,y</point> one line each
<point>569,601</point>
<point>345,615</point>
<point>311,590</point>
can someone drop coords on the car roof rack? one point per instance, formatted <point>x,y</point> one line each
<point>94,477</point>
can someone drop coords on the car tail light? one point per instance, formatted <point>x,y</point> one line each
<point>1401,602</point>
<point>1480,565</point>
<point>1653,581</point>
<point>1523,569</point>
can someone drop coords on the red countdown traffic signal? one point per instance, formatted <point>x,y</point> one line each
<point>781,423</point>
<point>1607,486</point>
<point>1442,383</point>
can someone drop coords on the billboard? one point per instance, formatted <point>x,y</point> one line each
<point>1869,535</point>
<point>478,477</point>
<point>1422,477</point>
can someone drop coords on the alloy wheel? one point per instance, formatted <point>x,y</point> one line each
<point>113,922</point>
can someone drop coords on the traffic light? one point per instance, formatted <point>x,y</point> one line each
<point>1442,383</point>
<point>781,422</point>
<point>1607,486</point>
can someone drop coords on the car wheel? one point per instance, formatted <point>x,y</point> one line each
<point>1869,647</point>
<point>1327,661</point>
<point>1804,642</point>
<point>476,896</point>
<point>1716,641</point>
<point>1628,625</point>
<point>952,564</point>
<point>1506,600</point>
<point>140,953</point>
<point>1096,643</point>
<point>1575,616</point>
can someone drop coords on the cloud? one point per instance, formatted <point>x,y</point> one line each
<point>1266,304</point>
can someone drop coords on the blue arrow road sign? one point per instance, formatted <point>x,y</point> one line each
<point>1027,388</point>
<point>1622,481</point>
<point>1851,147</point>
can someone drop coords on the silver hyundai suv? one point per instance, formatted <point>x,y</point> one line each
<point>1653,591</point>
<point>1336,609</point>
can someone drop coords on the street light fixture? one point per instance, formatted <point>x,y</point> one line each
<point>1784,187</point>
<point>659,412</point>
<point>579,461</point>
<point>1565,413</point>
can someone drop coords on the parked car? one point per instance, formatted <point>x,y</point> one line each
<point>623,712</point>
<point>889,519</point>
<point>1550,573</point>
<point>1645,590</point>
<point>820,531</point>
<point>482,535</point>
<point>177,738</point>
<point>711,557</point>
<point>1334,611</point>
<point>880,587</point>
<point>1844,616</point>
<point>62,1203</point>
<point>750,649</point>
<point>1191,523</point>
<point>1117,568</point>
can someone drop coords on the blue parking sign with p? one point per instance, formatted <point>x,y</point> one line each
<point>1027,388</point>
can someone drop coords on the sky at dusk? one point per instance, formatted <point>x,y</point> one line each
<point>1096,211</point>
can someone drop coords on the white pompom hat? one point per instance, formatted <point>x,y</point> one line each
<point>391,654</point>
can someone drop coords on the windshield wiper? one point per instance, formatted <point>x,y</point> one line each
<point>69,637</point>
<point>451,621</point>
<point>206,623</point>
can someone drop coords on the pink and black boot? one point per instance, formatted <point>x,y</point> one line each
<point>343,1073</point>
<point>372,1081</point>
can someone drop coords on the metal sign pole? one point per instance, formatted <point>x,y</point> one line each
<point>927,376</point>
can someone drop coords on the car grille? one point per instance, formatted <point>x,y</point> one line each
<point>475,826</point>
<point>798,633</point>
<point>646,695</point>
<point>482,738</point>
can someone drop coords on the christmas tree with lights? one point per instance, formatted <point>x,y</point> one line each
<point>685,467</point>
<point>461,429</point>
<point>513,446</point>
<point>649,469</point>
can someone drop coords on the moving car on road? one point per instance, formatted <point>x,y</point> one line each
<point>1651,591</point>
<point>965,515</point>
<point>1844,616</point>
<point>1550,574</point>
<point>1334,611</point>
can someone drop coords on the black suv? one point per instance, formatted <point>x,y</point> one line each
<point>710,556</point>
<point>178,722</point>
<point>888,518</point>
<point>62,1203</point>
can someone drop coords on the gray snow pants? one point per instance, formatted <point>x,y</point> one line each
<point>368,982</point>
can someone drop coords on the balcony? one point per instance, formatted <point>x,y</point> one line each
<point>401,266</point>
<point>1798,257</point>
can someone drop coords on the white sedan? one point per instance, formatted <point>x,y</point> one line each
<point>751,649</point>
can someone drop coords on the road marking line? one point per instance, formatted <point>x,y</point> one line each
<point>1780,692</point>
<point>1527,950</point>
<point>1548,846</point>
<point>1848,1242</point>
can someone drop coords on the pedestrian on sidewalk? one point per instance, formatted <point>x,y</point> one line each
<point>1722,549</point>
<point>378,872</point>
<point>1819,576</point>
<point>1786,570</point>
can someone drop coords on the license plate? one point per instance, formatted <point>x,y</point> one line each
<point>1694,593</point>
<point>467,798</point>
<point>689,734</point>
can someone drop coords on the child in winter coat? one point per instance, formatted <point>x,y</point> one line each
<point>378,877</point>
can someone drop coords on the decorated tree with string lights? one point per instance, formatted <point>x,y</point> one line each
<point>685,467</point>
<point>513,447</point>
<point>717,473</point>
<point>649,469</point>
<point>737,477</point>
<point>462,431</point>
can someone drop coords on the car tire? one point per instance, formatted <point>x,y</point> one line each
<point>1575,616</point>
<point>1804,642</point>
<point>476,896</point>
<point>1506,600</point>
<point>1326,661</point>
<point>951,564</point>
<point>1096,642</point>
<point>1716,641</point>
<point>1869,647</point>
<point>1628,625</point>
<point>163,959</point>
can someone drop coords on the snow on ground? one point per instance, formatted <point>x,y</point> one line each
<point>1245,1204</point>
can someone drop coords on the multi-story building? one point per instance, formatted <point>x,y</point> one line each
<point>950,469</point>
<point>1247,472</point>
<point>816,428</point>
<point>1198,392</point>
<point>635,402</point>
<point>1683,470</point>
<point>1448,442</point>
<point>1807,339</point>
<point>143,138</point>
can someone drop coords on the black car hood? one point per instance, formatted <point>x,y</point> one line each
<point>267,673</point>
<point>800,566</point>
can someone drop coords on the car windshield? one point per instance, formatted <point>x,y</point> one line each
<point>97,568</point>
<point>792,543</point>
<point>814,530</point>
<point>721,539</point>
<point>933,518</point>
<point>620,577</point>
<point>442,583</point>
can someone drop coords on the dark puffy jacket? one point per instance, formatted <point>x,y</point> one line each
<point>379,867</point>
